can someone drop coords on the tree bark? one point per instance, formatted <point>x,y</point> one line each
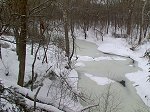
<point>0,52</point>
<point>65,17</point>
<point>22,41</point>
<point>73,39</point>
<point>142,22</point>
<point>16,32</point>
<point>130,14</point>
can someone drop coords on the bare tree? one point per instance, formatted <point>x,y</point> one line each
<point>142,22</point>
<point>22,40</point>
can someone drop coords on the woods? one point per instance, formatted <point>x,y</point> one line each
<point>48,30</point>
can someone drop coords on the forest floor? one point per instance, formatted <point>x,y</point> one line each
<point>51,90</point>
<point>9,68</point>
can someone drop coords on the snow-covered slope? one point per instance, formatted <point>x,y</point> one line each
<point>50,91</point>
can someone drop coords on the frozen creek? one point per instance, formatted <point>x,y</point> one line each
<point>113,68</point>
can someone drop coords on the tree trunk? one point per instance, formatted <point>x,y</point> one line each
<point>142,22</point>
<point>129,22</point>
<point>22,41</point>
<point>108,17</point>
<point>65,17</point>
<point>84,30</point>
<point>0,52</point>
<point>32,46</point>
<point>146,30</point>
<point>33,64</point>
<point>73,39</point>
<point>16,32</point>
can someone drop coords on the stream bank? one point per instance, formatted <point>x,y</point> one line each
<point>97,66</point>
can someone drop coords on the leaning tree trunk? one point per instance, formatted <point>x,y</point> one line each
<point>22,41</point>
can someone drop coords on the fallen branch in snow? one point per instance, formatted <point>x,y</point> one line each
<point>29,99</point>
<point>30,96</point>
<point>133,61</point>
<point>115,54</point>
<point>44,101</point>
<point>71,89</point>
<point>44,107</point>
<point>10,97</point>
<point>2,38</point>
<point>88,107</point>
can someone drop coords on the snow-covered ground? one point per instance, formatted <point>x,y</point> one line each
<point>99,80</point>
<point>140,78</point>
<point>120,46</point>
<point>50,92</point>
<point>109,45</point>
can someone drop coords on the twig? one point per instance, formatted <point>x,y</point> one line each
<point>7,40</point>
<point>88,107</point>
<point>35,96</point>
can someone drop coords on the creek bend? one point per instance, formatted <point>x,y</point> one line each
<point>113,69</point>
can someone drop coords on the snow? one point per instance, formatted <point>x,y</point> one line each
<point>44,106</point>
<point>56,62</point>
<point>141,83</point>
<point>109,58</point>
<point>99,80</point>
<point>116,46</point>
<point>79,64</point>
<point>88,58</point>
<point>9,65</point>
<point>85,58</point>
<point>120,46</point>
<point>74,78</point>
<point>31,94</point>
